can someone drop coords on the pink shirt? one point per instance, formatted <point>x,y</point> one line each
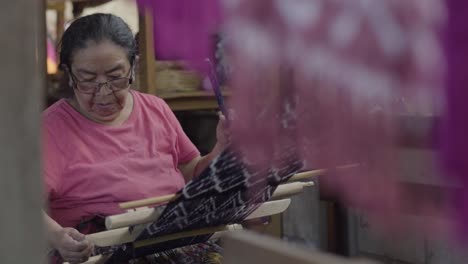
<point>89,168</point>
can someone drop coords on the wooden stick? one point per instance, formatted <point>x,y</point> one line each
<point>306,175</point>
<point>313,173</point>
<point>270,208</point>
<point>148,215</point>
<point>148,201</point>
<point>289,189</point>
<point>113,237</point>
<point>123,235</point>
<point>147,67</point>
<point>235,227</point>
<point>137,217</point>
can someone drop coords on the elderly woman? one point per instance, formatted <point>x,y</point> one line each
<point>107,143</point>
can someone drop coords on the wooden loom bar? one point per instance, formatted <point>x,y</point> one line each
<point>123,235</point>
<point>170,197</point>
<point>167,198</point>
<point>217,233</point>
<point>147,65</point>
<point>148,201</point>
<point>293,187</point>
<point>147,215</point>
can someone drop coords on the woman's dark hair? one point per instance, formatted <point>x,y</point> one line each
<point>96,27</point>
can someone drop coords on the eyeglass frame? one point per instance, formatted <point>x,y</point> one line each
<point>101,84</point>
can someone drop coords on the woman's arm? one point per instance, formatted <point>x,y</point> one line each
<point>198,164</point>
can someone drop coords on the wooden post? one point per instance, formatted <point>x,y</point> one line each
<point>60,24</point>
<point>147,64</point>
<point>22,77</point>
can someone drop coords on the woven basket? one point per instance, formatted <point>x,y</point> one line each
<point>177,81</point>
<point>171,77</point>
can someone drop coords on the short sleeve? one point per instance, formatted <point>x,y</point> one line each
<point>186,150</point>
<point>52,161</point>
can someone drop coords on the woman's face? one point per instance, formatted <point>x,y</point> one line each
<point>101,62</point>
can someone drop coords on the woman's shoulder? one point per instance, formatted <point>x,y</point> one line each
<point>54,111</point>
<point>57,116</point>
<point>54,123</point>
<point>149,100</point>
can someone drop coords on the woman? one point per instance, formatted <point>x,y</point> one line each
<point>107,143</point>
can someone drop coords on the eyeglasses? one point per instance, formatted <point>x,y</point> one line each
<point>91,87</point>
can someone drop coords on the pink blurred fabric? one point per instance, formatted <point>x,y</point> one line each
<point>343,70</point>
<point>454,129</point>
<point>185,30</point>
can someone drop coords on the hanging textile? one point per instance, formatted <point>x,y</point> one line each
<point>353,67</point>
<point>454,128</point>
<point>185,30</point>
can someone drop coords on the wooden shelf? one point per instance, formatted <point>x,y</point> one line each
<point>191,101</point>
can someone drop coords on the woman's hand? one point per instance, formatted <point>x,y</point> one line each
<point>221,134</point>
<point>72,245</point>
